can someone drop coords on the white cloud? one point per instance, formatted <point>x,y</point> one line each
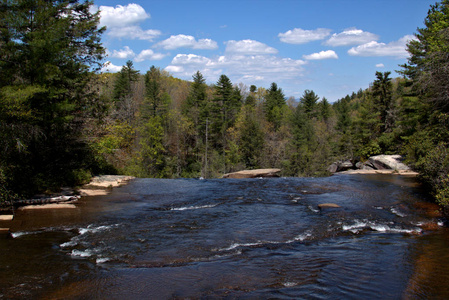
<point>395,49</point>
<point>321,55</point>
<point>122,22</point>
<point>149,54</point>
<point>120,16</point>
<point>108,67</point>
<point>301,36</point>
<point>380,66</point>
<point>124,53</point>
<point>174,69</point>
<point>240,68</point>
<point>133,33</point>
<point>186,41</point>
<point>351,36</point>
<point>249,47</point>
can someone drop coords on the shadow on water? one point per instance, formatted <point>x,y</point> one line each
<point>255,238</point>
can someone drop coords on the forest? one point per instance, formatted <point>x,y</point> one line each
<point>62,121</point>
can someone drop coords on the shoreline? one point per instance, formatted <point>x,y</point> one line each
<point>382,172</point>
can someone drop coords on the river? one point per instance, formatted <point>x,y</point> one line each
<point>227,238</point>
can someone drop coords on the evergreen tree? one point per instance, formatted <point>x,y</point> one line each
<point>309,102</point>
<point>427,68</point>
<point>48,49</point>
<point>382,92</point>
<point>156,101</point>
<point>303,143</point>
<point>274,105</point>
<point>122,94</point>
<point>325,109</point>
<point>220,110</point>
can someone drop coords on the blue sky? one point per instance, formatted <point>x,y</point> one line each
<point>333,47</point>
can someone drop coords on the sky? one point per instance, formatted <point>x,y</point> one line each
<point>333,47</point>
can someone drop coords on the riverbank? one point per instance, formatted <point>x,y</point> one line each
<point>386,172</point>
<point>98,186</point>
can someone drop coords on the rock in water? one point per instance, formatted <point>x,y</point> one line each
<point>253,173</point>
<point>328,205</point>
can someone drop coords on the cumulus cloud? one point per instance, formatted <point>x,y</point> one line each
<point>239,67</point>
<point>351,36</point>
<point>134,33</point>
<point>186,41</point>
<point>301,36</point>
<point>380,66</point>
<point>249,47</point>
<point>109,67</point>
<point>329,54</point>
<point>128,53</point>
<point>149,54</point>
<point>122,22</point>
<point>395,49</point>
<point>124,53</point>
<point>122,15</point>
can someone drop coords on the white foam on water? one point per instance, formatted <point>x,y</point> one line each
<point>313,209</point>
<point>237,245</point>
<point>357,226</point>
<point>71,243</point>
<point>93,229</point>
<point>85,253</point>
<point>193,207</point>
<point>102,260</point>
<point>21,233</point>
<point>382,228</point>
<point>299,238</point>
<point>289,284</point>
<point>397,213</point>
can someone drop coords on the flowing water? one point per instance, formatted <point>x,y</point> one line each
<point>225,238</point>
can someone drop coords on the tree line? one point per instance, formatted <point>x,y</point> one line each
<point>62,122</point>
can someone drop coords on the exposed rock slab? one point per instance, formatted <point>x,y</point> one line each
<point>48,206</point>
<point>253,173</point>
<point>388,162</point>
<point>107,181</point>
<point>388,172</point>
<point>328,205</point>
<point>6,217</point>
<point>101,185</point>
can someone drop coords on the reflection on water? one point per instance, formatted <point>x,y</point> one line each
<point>256,238</point>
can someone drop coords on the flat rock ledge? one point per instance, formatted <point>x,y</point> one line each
<point>253,173</point>
<point>101,185</point>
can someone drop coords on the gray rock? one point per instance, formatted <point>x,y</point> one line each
<point>388,162</point>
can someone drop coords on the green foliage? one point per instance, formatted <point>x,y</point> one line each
<point>382,93</point>
<point>274,104</point>
<point>48,49</point>
<point>6,195</point>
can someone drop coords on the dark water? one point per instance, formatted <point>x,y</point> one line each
<point>224,238</point>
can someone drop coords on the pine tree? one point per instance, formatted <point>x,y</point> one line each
<point>382,92</point>
<point>122,94</point>
<point>48,51</point>
<point>274,105</point>
<point>309,102</point>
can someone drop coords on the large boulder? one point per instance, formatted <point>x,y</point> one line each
<point>340,166</point>
<point>388,162</point>
<point>254,173</point>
